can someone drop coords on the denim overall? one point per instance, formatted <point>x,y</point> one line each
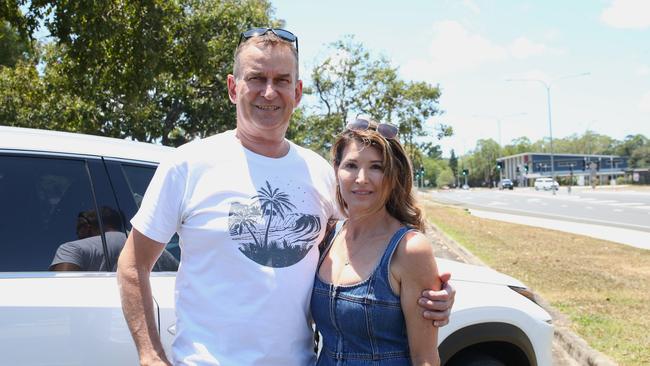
<point>361,324</point>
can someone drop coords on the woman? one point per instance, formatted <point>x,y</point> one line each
<point>372,272</point>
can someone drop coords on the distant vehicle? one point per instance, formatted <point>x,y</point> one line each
<point>546,184</point>
<point>465,186</point>
<point>506,184</point>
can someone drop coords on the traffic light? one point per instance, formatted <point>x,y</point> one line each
<point>526,168</point>
<point>499,165</point>
<point>465,172</point>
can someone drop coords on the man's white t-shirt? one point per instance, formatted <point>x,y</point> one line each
<point>249,228</point>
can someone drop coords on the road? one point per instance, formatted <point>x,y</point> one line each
<point>627,210</point>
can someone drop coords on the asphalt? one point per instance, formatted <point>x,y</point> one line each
<point>568,348</point>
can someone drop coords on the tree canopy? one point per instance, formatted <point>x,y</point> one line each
<point>153,70</point>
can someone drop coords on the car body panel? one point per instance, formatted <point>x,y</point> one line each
<point>545,184</point>
<point>506,183</point>
<point>72,319</point>
<point>16,138</point>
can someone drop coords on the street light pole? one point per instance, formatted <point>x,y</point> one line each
<point>499,119</point>
<point>547,85</point>
<point>550,134</point>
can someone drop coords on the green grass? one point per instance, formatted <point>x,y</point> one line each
<point>603,287</point>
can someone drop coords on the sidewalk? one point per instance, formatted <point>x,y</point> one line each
<point>635,238</point>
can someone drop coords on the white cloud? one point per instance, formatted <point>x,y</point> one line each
<point>644,104</point>
<point>471,5</point>
<point>523,48</point>
<point>627,14</point>
<point>643,71</point>
<point>455,48</point>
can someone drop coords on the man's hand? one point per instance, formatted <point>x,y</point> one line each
<point>437,304</point>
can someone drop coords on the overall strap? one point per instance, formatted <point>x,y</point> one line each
<point>329,240</point>
<point>388,253</point>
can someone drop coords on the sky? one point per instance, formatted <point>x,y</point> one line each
<point>493,60</point>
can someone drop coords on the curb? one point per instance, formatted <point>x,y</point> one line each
<point>573,346</point>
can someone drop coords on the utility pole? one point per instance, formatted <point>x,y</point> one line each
<point>547,86</point>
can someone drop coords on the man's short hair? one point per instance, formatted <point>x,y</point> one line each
<point>268,39</point>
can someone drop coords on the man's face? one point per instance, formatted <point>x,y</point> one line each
<point>266,91</point>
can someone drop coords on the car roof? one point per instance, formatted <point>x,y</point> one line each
<point>29,139</point>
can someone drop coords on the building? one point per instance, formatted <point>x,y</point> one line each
<point>526,167</point>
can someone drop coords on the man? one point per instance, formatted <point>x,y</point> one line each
<point>87,253</point>
<point>250,208</point>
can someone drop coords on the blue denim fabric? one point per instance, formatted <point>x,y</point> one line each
<point>361,324</point>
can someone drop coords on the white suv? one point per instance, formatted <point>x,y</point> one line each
<point>546,184</point>
<point>74,318</point>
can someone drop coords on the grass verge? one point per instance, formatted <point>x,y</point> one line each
<point>603,287</point>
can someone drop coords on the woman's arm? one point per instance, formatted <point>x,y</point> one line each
<point>414,267</point>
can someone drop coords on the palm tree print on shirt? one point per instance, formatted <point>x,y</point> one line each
<point>268,230</point>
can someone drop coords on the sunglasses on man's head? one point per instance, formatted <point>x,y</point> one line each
<point>387,130</point>
<point>256,32</point>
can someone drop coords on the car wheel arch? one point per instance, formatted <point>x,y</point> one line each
<point>477,338</point>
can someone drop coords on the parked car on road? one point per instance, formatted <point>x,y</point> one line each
<point>75,318</point>
<point>546,184</point>
<point>506,184</point>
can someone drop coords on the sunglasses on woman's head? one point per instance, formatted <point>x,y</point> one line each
<point>387,130</point>
<point>256,32</point>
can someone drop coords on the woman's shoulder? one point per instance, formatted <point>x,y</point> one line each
<point>415,242</point>
<point>414,251</point>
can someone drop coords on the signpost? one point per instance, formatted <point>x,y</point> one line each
<point>592,174</point>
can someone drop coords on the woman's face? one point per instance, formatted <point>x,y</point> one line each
<point>360,176</point>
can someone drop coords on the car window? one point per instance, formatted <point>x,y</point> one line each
<point>138,178</point>
<point>42,200</point>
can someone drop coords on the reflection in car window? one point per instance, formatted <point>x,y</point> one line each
<point>41,199</point>
<point>138,178</point>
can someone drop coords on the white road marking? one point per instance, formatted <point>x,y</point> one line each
<point>617,210</point>
<point>627,204</point>
<point>497,203</point>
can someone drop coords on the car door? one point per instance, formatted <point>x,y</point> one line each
<point>130,180</point>
<point>48,317</point>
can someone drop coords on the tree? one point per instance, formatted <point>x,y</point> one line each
<point>14,46</point>
<point>518,146</point>
<point>272,202</point>
<point>445,178</point>
<point>453,164</point>
<point>338,79</point>
<point>482,162</point>
<point>350,82</point>
<point>314,131</point>
<point>152,70</point>
<point>637,148</point>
